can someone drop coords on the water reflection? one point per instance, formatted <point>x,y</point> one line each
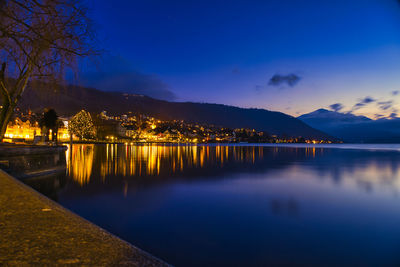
<point>80,162</point>
<point>151,160</point>
<point>112,161</point>
<point>241,205</point>
<point>49,185</point>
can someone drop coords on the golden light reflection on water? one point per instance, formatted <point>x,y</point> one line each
<point>151,160</point>
<point>85,161</point>
<point>80,162</point>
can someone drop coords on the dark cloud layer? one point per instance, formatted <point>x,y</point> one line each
<point>130,82</point>
<point>367,100</point>
<point>290,80</point>
<point>336,107</point>
<point>396,92</point>
<point>363,102</point>
<point>385,105</point>
<point>116,74</point>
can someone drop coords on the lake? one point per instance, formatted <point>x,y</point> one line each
<point>242,205</point>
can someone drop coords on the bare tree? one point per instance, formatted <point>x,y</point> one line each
<point>39,39</point>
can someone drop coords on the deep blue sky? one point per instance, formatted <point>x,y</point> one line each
<point>227,52</point>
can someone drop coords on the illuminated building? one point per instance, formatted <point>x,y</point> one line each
<point>18,129</point>
<point>27,130</point>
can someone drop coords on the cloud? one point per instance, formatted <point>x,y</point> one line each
<point>396,92</point>
<point>116,74</point>
<point>131,82</point>
<point>363,102</point>
<point>393,115</point>
<point>367,100</point>
<point>379,116</point>
<point>290,80</point>
<point>385,105</point>
<point>336,107</point>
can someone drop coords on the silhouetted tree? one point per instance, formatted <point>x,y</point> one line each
<point>38,38</point>
<point>50,122</point>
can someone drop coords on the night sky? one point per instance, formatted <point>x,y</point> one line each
<point>293,56</point>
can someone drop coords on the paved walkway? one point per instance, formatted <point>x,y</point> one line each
<point>37,231</point>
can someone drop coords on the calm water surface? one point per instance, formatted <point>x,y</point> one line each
<point>242,205</point>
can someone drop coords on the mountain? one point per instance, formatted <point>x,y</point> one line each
<point>323,116</point>
<point>71,99</point>
<point>352,128</point>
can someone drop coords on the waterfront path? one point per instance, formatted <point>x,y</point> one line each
<point>37,231</point>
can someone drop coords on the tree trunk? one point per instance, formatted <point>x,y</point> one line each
<point>8,101</point>
<point>5,116</point>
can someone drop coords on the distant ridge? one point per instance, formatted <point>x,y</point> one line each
<point>352,128</point>
<point>71,99</point>
<point>326,116</point>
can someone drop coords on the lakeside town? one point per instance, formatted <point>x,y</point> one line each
<point>31,127</point>
<point>199,133</point>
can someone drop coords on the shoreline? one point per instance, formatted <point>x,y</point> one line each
<point>361,146</point>
<point>35,230</point>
